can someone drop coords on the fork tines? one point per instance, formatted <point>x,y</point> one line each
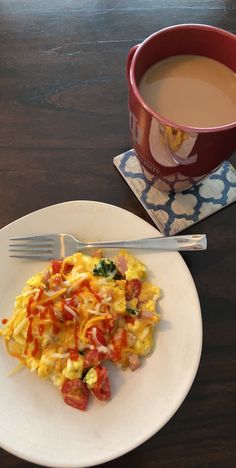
<point>31,246</point>
<point>33,238</point>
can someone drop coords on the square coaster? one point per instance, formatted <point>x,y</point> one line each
<point>174,212</point>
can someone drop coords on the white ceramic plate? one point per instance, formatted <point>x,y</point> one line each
<point>35,423</point>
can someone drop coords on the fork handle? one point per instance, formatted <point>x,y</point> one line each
<point>175,243</point>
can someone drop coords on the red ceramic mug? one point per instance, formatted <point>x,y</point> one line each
<point>178,155</point>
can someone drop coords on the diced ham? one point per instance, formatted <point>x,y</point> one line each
<point>134,361</point>
<point>46,277</point>
<point>97,253</point>
<point>121,264</point>
<point>131,338</point>
<point>146,314</point>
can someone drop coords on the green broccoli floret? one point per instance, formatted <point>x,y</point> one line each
<point>133,311</point>
<point>106,268</point>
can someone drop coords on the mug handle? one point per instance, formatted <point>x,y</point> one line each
<point>129,60</point>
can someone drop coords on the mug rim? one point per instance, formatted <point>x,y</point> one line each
<point>161,118</point>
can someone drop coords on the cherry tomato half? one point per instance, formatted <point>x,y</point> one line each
<point>119,340</point>
<point>96,337</point>
<point>129,319</point>
<point>67,315</point>
<point>101,389</point>
<point>75,393</point>
<point>74,354</point>
<point>132,289</point>
<point>107,325</point>
<point>92,358</point>
<point>56,266</point>
<point>67,268</point>
<point>71,303</point>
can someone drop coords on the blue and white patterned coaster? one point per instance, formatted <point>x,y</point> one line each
<point>174,212</point>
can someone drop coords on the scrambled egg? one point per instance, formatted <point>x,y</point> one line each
<point>81,309</point>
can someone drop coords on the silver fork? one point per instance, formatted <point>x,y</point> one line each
<point>56,246</point>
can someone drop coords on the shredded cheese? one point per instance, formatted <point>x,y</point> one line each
<point>71,311</point>
<point>53,295</point>
<point>91,322</point>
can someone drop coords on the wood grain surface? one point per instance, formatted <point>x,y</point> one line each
<point>63,118</point>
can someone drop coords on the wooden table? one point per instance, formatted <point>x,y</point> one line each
<point>63,118</point>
